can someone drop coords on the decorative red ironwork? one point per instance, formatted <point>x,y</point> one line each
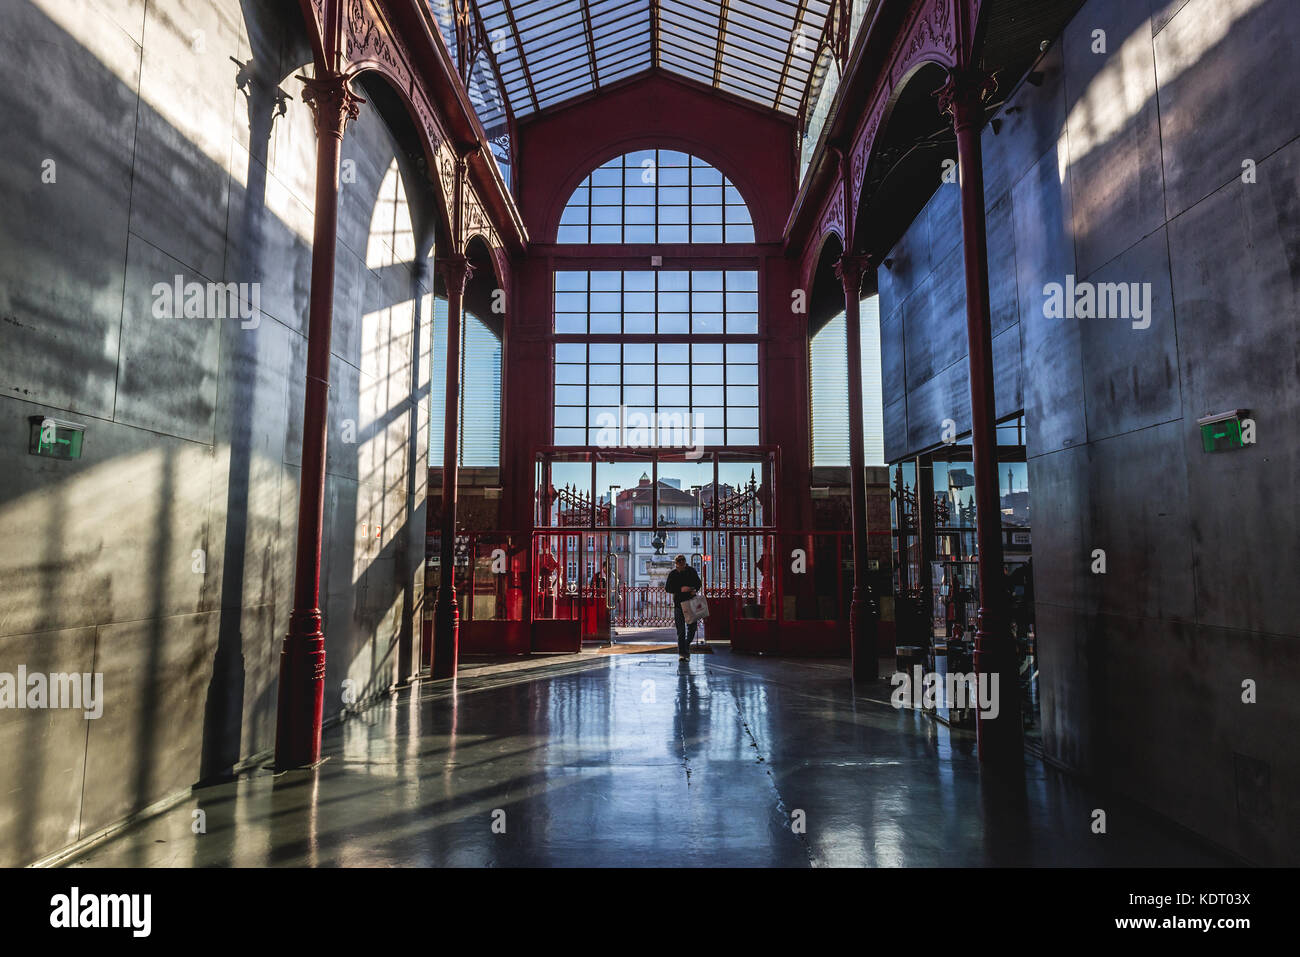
<point>904,497</point>
<point>574,508</point>
<point>740,508</point>
<point>643,605</point>
<point>936,31</point>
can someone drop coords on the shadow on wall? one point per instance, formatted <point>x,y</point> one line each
<point>164,557</point>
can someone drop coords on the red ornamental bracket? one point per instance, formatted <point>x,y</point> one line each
<point>332,102</point>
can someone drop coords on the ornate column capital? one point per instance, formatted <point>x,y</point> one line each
<point>850,268</point>
<point>332,102</point>
<point>962,97</point>
<point>456,270</point>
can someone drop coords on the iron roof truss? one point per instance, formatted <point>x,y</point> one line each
<point>549,51</point>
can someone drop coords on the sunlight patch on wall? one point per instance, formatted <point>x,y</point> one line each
<point>392,237</point>
<point>1112,99</point>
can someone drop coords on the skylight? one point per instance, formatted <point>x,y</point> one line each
<point>550,51</point>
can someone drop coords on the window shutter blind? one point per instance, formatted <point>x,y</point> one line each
<point>480,391</point>
<point>829,380</point>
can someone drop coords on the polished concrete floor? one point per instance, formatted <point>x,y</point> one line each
<point>642,760</point>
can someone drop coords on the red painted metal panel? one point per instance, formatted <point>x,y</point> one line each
<point>812,639</point>
<point>557,634</point>
<point>753,635</point>
<point>495,637</point>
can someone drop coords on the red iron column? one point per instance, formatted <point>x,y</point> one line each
<point>862,617</point>
<point>456,271</point>
<point>1000,738</point>
<point>302,659</point>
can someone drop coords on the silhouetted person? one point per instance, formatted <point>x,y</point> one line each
<point>682,583</point>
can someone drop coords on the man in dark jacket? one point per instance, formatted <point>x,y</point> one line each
<point>682,583</point>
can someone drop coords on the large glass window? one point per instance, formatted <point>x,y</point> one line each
<point>656,196</point>
<point>669,302</point>
<point>656,357</point>
<point>709,387</point>
<point>712,387</point>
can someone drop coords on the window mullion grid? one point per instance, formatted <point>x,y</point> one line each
<point>655,348</point>
<point>726,324</point>
<point>690,321</point>
<point>658,177</point>
<point>622,355</point>
<point>586,225</point>
<point>690,202</point>
<point>586,360</point>
<point>725,183</point>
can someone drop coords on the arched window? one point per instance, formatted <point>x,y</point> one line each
<point>656,196</point>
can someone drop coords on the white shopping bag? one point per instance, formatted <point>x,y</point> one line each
<point>695,609</point>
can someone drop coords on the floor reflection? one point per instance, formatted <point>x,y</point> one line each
<point>643,760</point>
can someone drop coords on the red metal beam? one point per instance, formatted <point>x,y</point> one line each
<point>492,61</point>
<point>999,739</point>
<point>519,48</point>
<point>414,28</point>
<point>789,53</point>
<point>456,271</point>
<point>854,97</point>
<point>665,74</point>
<point>723,9</point>
<point>591,43</point>
<point>302,657</point>
<point>821,41</point>
<point>654,34</point>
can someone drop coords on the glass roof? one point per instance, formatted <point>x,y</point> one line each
<point>549,51</point>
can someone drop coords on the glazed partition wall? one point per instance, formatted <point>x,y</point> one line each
<point>936,580</point>
<point>608,526</point>
<point>491,591</point>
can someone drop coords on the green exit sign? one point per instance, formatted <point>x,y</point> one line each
<point>54,438</point>
<point>1226,430</point>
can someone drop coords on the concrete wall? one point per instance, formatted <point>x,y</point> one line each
<point>163,558</point>
<point>1126,166</point>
